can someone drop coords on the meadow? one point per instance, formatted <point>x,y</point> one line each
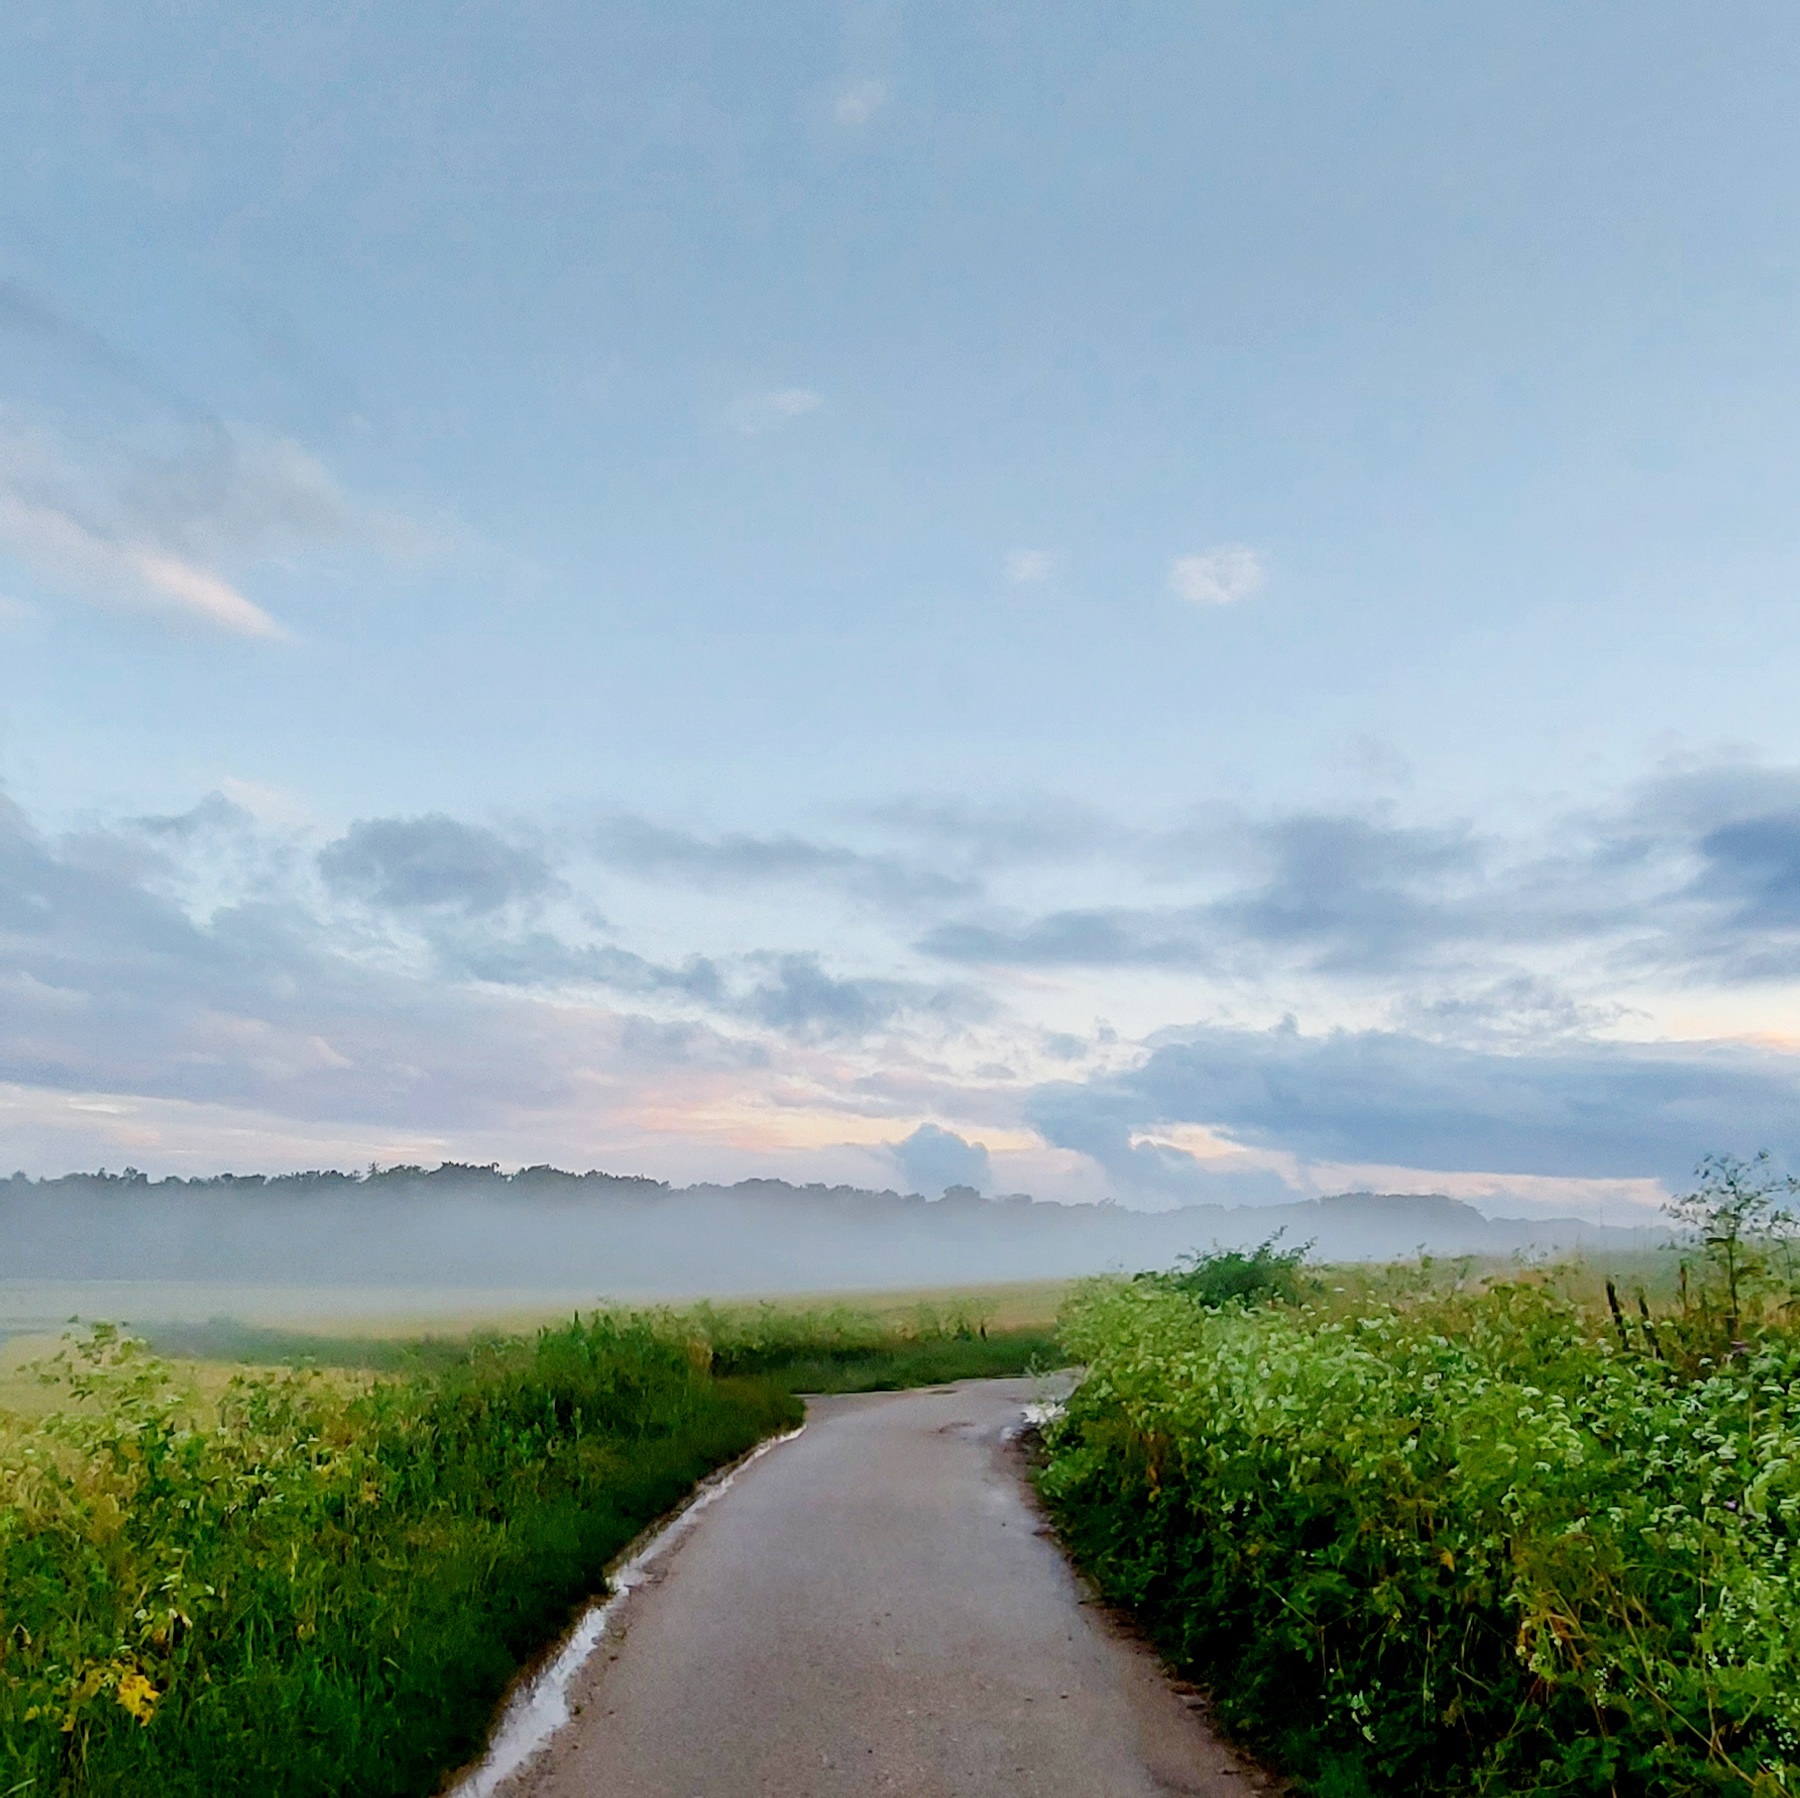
<point>1433,1531</point>
<point>219,1575</point>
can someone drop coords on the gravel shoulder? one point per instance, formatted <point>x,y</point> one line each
<point>875,1607</point>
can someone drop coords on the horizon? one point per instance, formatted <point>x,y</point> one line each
<point>1195,609</point>
<point>446,1173</point>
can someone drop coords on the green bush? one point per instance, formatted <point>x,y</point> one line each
<point>1449,1544</point>
<point>326,1588</point>
<point>1266,1275</point>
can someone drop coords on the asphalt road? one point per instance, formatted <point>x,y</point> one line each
<point>873,1608</point>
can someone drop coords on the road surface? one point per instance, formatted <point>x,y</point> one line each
<point>874,1608</point>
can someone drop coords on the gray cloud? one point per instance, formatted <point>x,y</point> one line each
<point>407,863</point>
<point>109,986</point>
<point>800,998</point>
<point>1111,938</point>
<point>738,859</point>
<point>932,1159</point>
<point>539,959</point>
<point>1576,1110</point>
<point>189,957</point>
<point>1696,877</point>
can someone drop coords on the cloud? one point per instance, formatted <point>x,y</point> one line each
<point>754,414</point>
<point>125,493</point>
<point>859,101</point>
<point>801,999</point>
<point>69,552</point>
<point>421,969</point>
<point>109,986</point>
<point>1030,567</point>
<point>740,858</point>
<point>1014,833</point>
<point>1338,892</point>
<point>1582,1109</point>
<point>405,863</point>
<point>541,959</point>
<point>1101,937</point>
<point>1217,577</point>
<point>932,1159</point>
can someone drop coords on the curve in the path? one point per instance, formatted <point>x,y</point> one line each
<point>876,1609</point>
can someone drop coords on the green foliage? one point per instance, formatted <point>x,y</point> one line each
<point>1267,1275</point>
<point>325,1589</point>
<point>1449,1542</point>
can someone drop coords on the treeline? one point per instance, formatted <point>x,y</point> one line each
<point>460,1176</point>
<point>477,1179</point>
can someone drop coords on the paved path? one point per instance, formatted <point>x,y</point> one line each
<point>874,1609</point>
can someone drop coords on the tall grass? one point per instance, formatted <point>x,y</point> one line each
<point>835,1349</point>
<point>322,1581</point>
<point>1452,1542</point>
<point>805,1348</point>
<point>324,1587</point>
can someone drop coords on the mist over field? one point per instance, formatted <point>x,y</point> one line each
<point>606,1235</point>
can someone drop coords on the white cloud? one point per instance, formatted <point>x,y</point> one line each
<point>104,517</point>
<point>1030,567</point>
<point>66,550</point>
<point>754,413</point>
<point>858,103</point>
<point>202,595</point>
<point>1217,577</point>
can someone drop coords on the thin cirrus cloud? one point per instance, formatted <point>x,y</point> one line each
<point>756,414</point>
<point>1217,577</point>
<point>1030,567</point>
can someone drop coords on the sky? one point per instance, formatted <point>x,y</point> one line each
<point>1191,604</point>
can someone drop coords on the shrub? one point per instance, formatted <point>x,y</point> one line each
<point>1448,1544</point>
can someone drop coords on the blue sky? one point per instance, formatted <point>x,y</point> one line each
<point>1176,602</point>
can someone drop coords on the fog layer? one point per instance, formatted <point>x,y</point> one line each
<point>540,1229</point>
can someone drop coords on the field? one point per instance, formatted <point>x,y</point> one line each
<point>222,1575</point>
<point>1432,1532</point>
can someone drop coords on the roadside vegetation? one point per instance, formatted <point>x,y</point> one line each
<point>314,1579</point>
<point>801,1347</point>
<point>1430,1533</point>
